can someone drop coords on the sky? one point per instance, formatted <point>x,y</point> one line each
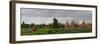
<point>45,16</point>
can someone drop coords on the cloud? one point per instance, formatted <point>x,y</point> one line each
<point>39,16</point>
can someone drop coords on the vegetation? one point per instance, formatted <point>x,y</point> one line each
<point>55,28</point>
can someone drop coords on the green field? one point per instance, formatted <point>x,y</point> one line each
<point>48,30</point>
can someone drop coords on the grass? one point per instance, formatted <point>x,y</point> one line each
<point>48,30</point>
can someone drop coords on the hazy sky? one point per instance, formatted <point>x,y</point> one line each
<point>40,16</point>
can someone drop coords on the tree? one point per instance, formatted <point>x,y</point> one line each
<point>55,23</point>
<point>24,25</point>
<point>32,24</point>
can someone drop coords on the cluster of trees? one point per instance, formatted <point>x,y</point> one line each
<point>24,25</point>
<point>56,24</point>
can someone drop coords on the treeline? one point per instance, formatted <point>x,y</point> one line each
<point>55,24</point>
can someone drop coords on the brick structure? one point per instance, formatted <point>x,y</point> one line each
<point>34,28</point>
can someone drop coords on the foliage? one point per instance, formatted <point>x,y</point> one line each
<point>47,30</point>
<point>55,23</point>
<point>54,28</point>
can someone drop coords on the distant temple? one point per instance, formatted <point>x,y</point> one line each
<point>83,24</point>
<point>73,25</point>
<point>34,28</point>
<point>70,26</point>
<point>67,26</point>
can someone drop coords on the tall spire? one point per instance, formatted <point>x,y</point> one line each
<point>72,22</point>
<point>23,22</point>
<point>83,22</point>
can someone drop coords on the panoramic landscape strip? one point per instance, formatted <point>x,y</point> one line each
<point>36,21</point>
